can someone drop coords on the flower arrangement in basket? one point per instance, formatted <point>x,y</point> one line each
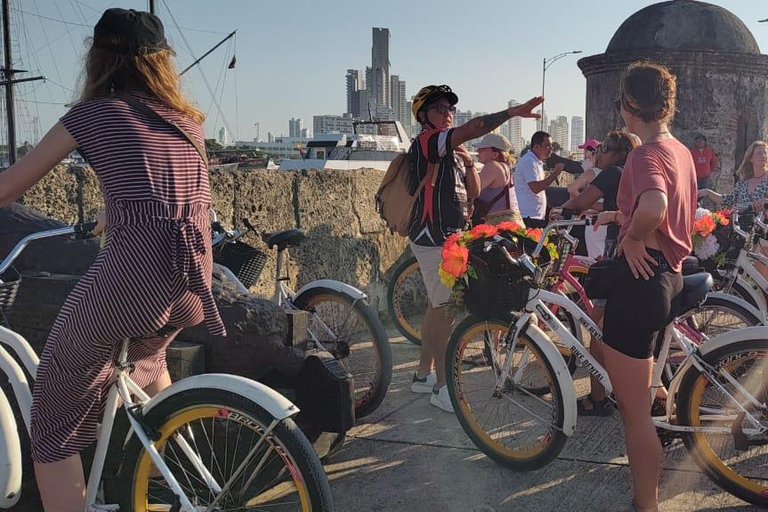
<point>464,265</point>
<point>710,236</point>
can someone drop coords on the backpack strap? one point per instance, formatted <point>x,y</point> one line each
<point>150,112</point>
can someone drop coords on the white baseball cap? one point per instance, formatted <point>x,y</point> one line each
<point>494,140</point>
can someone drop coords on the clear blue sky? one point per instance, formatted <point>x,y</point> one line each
<point>292,56</point>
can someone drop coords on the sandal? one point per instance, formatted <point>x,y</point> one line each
<point>602,407</point>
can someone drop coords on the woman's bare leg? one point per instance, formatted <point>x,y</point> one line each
<point>631,379</point>
<point>62,485</point>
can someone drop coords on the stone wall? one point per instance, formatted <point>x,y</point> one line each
<point>346,240</point>
<point>719,94</point>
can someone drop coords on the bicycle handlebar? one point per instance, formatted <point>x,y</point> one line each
<point>556,225</point>
<point>81,232</point>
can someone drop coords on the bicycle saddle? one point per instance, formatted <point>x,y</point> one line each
<point>691,266</point>
<point>695,289</point>
<point>284,239</point>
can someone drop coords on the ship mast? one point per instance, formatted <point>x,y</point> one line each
<point>8,73</point>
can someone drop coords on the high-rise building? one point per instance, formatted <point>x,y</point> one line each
<point>399,100</point>
<point>577,133</point>
<point>270,137</point>
<point>355,84</point>
<point>295,126</point>
<point>558,130</point>
<point>332,124</point>
<point>379,86</point>
<point>223,136</point>
<point>515,130</point>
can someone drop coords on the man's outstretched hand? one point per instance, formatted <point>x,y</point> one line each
<point>526,109</point>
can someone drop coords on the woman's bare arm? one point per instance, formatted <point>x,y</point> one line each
<point>22,175</point>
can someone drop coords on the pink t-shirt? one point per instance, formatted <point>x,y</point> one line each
<point>664,165</point>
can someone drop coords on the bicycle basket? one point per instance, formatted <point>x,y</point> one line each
<point>500,287</point>
<point>244,261</point>
<point>9,286</point>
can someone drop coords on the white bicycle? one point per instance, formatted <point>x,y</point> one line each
<point>515,397</point>
<point>741,278</point>
<point>340,319</point>
<point>211,442</point>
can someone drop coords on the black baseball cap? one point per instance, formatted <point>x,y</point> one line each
<point>139,32</point>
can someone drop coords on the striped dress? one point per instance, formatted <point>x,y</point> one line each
<point>154,272</point>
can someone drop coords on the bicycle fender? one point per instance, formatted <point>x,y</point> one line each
<point>10,456</point>
<point>748,333</point>
<point>741,302</point>
<point>757,295</point>
<point>273,402</point>
<point>564,379</point>
<point>338,286</point>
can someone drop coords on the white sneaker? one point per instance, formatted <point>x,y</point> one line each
<point>423,385</point>
<point>441,400</point>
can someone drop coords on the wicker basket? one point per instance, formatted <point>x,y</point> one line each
<point>9,286</point>
<point>243,260</point>
<point>500,288</point>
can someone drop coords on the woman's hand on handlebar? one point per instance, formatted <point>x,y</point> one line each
<point>605,218</point>
<point>759,205</point>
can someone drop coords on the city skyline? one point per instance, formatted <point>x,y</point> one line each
<point>279,77</point>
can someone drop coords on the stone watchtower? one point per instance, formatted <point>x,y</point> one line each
<point>721,77</point>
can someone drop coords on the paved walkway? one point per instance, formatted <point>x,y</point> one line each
<point>410,456</point>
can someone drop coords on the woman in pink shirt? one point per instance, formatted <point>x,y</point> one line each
<point>657,205</point>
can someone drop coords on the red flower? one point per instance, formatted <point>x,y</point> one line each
<point>510,225</point>
<point>484,231</point>
<point>704,226</point>
<point>534,233</point>
<point>455,260</point>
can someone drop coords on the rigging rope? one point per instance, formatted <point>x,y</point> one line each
<point>202,74</point>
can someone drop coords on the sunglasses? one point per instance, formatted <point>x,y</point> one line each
<point>604,148</point>
<point>442,109</point>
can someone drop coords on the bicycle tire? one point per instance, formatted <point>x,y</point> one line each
<point>689,405</point>
<point>407,272</point>
<point>181,414</point>
<point>747,317</point>
<point>371,384</point>
<point>549,443</point>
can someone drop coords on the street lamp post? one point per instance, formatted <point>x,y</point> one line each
<point>544,67</point>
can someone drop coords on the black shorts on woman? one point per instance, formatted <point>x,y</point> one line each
<point>637,309</point>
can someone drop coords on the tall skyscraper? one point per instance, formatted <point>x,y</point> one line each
<point>223,136</point>
<point>399,101</point>
<point>515,130</point>
<point>558,129</point>
<point>355,83</point>
<point>577,132</point>
<point>295,126</point>
<point>379,87</point>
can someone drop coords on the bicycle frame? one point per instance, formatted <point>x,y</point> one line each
<point>122,389</point>
<point>537,303</point>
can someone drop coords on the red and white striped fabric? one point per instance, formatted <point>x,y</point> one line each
<point>155,270</point>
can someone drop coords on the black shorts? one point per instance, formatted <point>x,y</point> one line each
<point>637,309</point>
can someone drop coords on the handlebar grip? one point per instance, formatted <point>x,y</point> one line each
<point>84,231</point>
<point>217,227</point>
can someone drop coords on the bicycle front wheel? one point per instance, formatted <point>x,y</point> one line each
<point>513,422</point>
<point>734,451</point>
<point>210,435</point>
<point>407,299</point>
<point>350,330</point>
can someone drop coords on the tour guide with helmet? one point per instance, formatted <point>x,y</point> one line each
<point>430,94</point>
<point>443,181</point>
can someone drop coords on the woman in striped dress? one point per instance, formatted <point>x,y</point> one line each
<point>153,277</point>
